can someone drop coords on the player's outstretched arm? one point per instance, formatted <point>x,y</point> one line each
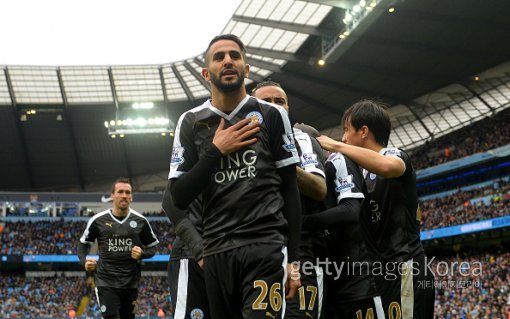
<point>386,166</point>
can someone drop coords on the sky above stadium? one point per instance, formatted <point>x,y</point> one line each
<point>108,32</point>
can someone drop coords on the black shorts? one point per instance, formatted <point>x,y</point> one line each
<point>117,302</point>
<point>365,308</point>
<point>407,289</point>
<point>247,282</point>
<point>307,303</point>
<point>187,289</point>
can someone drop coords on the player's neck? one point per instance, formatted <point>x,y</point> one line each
<point>373,145</point>
<point>227,102</point>
<point>119,212</point>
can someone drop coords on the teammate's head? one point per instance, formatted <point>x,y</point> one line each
<point>122,194</point>
<point>272,92</point>
<point>365,118</point>
<point>225,63</point>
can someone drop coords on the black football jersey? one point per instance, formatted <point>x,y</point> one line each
<point>390,212</point>
<point>346,243</point>
<point>115,238</point>
<point>242,203</point>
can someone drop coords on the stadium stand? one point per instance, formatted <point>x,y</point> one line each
<point>476,286</point>
<point>487,134</point>
<point>56,236</point>
<point>55,296</point>
<point>465,206</point>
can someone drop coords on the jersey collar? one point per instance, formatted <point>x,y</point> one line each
<point>232,114</point>
<point>117,220</point>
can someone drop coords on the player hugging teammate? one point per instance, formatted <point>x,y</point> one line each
<point>274,218</point>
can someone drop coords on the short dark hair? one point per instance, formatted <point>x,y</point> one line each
<point>123,180</point>
<point>231,37</point>
<point>372,114</point>
<point>265,83</point>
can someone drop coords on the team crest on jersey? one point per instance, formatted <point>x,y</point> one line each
<point>197,313</point>
<point>344,184</point>
<point>177,156</point>
<point>309,159</point>
<point>103,308</point>
<point>289,145</point>
<point>133,224</point>
<point>255,117</point>
<point>372,176</point>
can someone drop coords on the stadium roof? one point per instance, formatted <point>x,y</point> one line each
<point>422,58</point>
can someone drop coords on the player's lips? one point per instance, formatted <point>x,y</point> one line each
<point>229,72</point>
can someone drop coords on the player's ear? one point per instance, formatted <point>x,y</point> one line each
<point>247,70</point>
<point>364,131</point>
<point>205,74</point>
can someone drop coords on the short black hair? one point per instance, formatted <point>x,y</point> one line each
<point>231,37</point>
<point>372,114</point>
<point>123,180</point>
<point>265,83</point>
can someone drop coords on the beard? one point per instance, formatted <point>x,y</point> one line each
<point>228,87</point>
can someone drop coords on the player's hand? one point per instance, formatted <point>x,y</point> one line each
<point>239,135</point>
<point>90,264</point>
<point>201,263</point>
<point>293,280</point>
<point>136,252</point>
<point>328,143</point>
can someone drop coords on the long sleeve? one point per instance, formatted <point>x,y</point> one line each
<point>183,226</point>
<point>148,252</point>
<point>347,211</point>
<point>187,187</point>
<point>83,250</point>
<point>291,209</point>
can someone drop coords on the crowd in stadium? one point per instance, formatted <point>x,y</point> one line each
<point>60,237</point>
<point>38,296</point>
<point>474,138</point>
<point>473,286</point>
<point>54,297</point>
<point>466,206</point>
